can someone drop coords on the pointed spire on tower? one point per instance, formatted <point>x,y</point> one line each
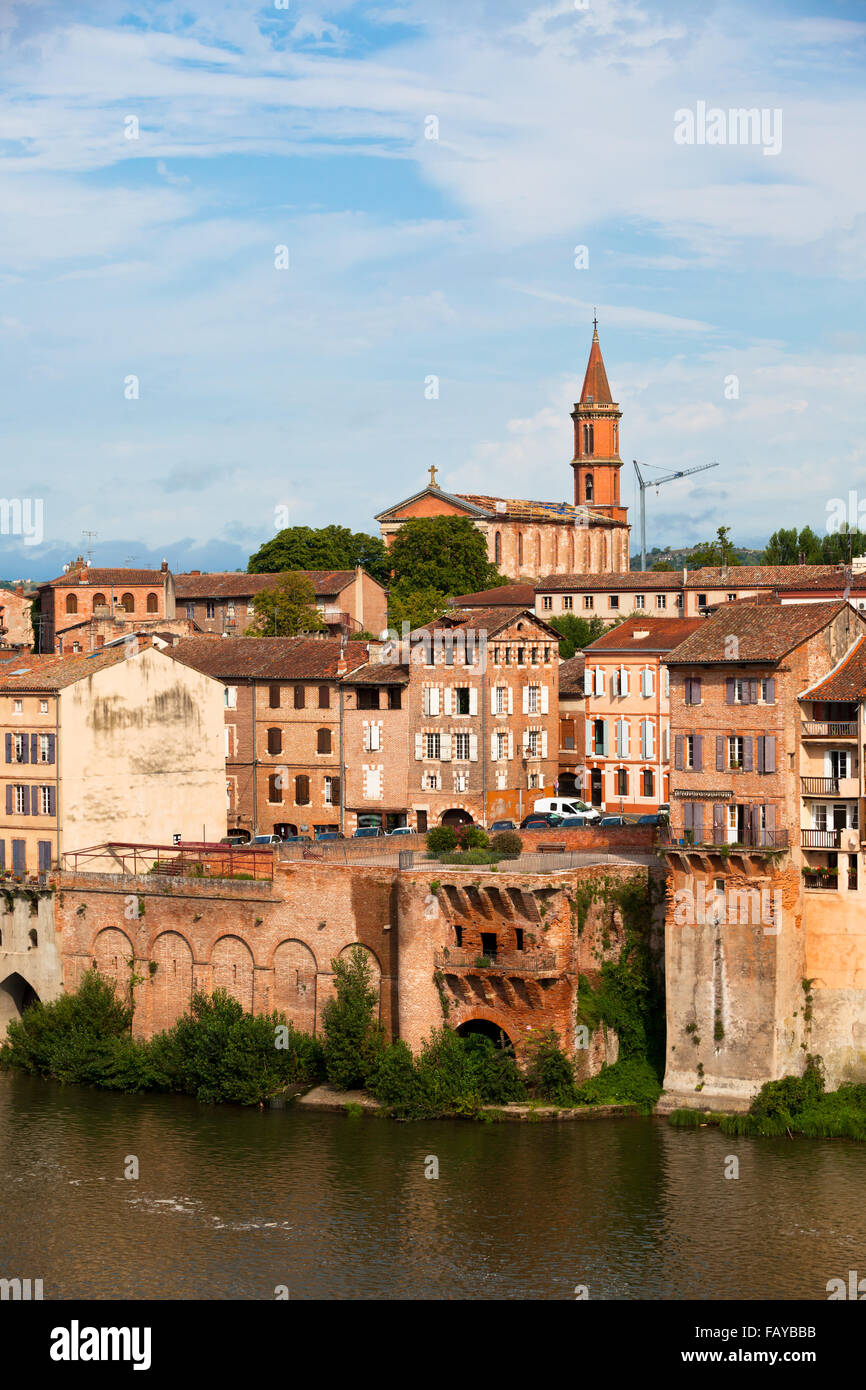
<point>596,390</point>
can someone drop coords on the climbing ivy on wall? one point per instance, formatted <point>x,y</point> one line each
<point>628,996</point>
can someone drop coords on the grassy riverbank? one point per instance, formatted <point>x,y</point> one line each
<point>794,1105</point>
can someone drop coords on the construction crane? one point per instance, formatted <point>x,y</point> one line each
<point>644,483</point>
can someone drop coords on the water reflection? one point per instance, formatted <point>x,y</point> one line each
<point>231,1203</point>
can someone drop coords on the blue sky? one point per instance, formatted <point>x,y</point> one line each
<point>303,388</point>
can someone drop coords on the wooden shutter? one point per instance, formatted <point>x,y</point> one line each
<point>588,727</point>
<point>756,824</point>
<point>688,696</point>
<point>747,755</point>
<point>720,752</point>
<point>771,692</point>
<point>493,699</point>
<point>770,810</point>
<point>473,748</point>
<point>753,692</point>
<point>626,738</point>
<point>510,744</point>
<point>770,753</point>
<point>34,748</point>
<point>718,823</point>
<point>698,749</point>
<point>510,700</point>
<point>8,748</point>
<point>544,700</point>
<point>544,743</point>
<point>447,700</point>
<point>25,749</point>
<point>678,752</point>
<point>620,737</point>
<point>52,801</point>
<point>729,690</point>
<point>698,822</point>
<point>52,740</point>
<point>587,685</point>
<point>604,738</point>
<point>525,695</point>
<point>335,791</point>
<point>759,753</point>
<point>2,854</point>
<point>445,747</point>
<point>26,801</point>
<point>34,801</point>
<point>419,746</point>
<point>473,699</point>
<point>688,815</point>
<point>10,793</point>
<point>300,697</point>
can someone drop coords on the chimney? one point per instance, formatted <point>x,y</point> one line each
<point>685,574</point>
<point>164,566</point>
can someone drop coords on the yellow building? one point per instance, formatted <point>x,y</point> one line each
<point>124,745</point>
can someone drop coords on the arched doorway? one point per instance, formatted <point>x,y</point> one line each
<point>16,995</point>
<point>456,816</point>
<point>487,1029</point>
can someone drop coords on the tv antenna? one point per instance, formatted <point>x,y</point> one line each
<point>644,483</point>
<point>88,538</point>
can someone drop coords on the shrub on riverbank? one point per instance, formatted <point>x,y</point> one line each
<point>631,1081</point>
<point>800,1105</point>
<point>549,1073</point>
<point>353,1039</point>
<point>450,1076</point>
<point>216,1052</point>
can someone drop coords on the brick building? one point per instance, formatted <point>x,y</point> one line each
<point>82,593</point>
<point>627,713</point>
<point>691,593</point>
<point>348,600</point>
<point>474,736</point>
<point>16,628</point>
<point>283,755</point>
<point>119,745</point>
<point>528,539</point>
<point>766,849</point>
<point>572,727</point>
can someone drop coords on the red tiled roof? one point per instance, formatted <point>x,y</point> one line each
<point>379,673</point>
<point>205,586</point>
<point>847,681</point>
<point>636,580</point>
<point>505,596</point>
<point>640,634</point>
<point>269,658</point>
<point>524,509</point>
<point>487,620</point>
<point>27,671</point>
<point>764,576</point>
<point>571,675</point>
<point>101,579</point>
<point>764,632</point>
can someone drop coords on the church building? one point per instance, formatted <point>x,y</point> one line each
<point>528,540</point>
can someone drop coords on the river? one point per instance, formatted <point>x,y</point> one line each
<point>232,1203</point>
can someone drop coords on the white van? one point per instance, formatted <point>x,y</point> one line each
<point>565,806</point>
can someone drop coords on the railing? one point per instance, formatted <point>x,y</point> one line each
<point>820,786</point>
<point>816,728</point>
<point>531,962</point>
<point>817,879</point>
<point>820,839</point>
<point>747,838</point>
<point>188,860</point>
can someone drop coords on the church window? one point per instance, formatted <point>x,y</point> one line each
<point>588,488</point>
<point>615,434</point>
<point>520,547</point>
<point>497,546</point>
<point>588,439</point>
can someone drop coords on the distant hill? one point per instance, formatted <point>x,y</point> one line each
<point>677,558</point>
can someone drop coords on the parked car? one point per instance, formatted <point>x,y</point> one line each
<point>566,806</point>
<point>541,821</point>
<point>612,820</point>
<point>328,835</point>
<point>574,822</point>
<point>367,832</point>
<point>656,819</point>
<point>297,840</point>
<point>401,830</point>
<point>236,837</point>
<point>503,825</point>
<point>266,840</point>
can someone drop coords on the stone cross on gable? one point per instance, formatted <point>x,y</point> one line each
<point>433,472</point>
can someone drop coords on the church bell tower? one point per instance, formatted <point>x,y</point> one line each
<point>596,461</point>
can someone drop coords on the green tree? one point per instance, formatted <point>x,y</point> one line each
<point>414,606</point>
<point>782,547</point>
<point>287,608</point>
<point>662,565</point>
<point>328,548</point>
<point>710,554</point>
<point>447,554</point>
<point>353,1039</point>
<point>576,633</point>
